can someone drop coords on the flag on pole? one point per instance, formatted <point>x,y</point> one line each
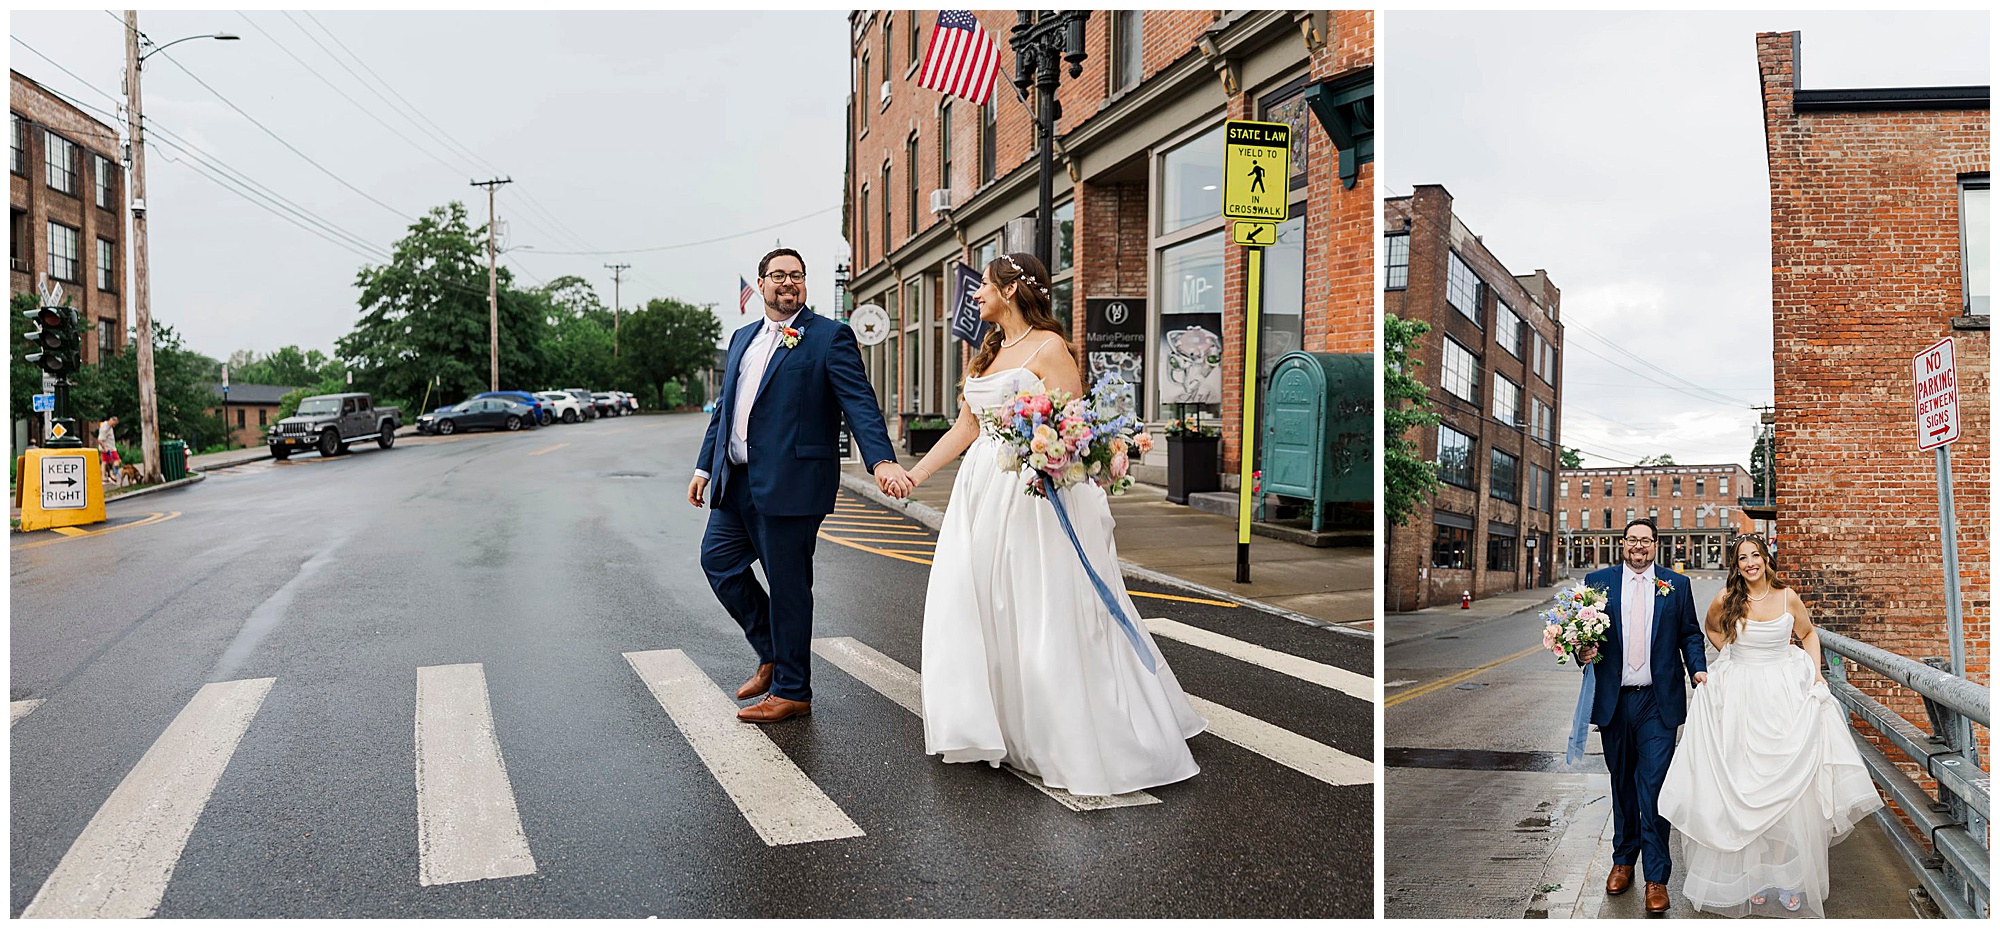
<point>744,295</point>
<point>962,58</point>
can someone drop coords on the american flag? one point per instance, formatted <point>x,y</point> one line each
<point>962,58</point>
<point>743,295</point>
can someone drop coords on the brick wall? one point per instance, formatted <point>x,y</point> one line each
<point>34,204</point>
<point>1865,273</point>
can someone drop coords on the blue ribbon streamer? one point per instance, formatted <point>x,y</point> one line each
<point>1103,592</point>
<point>1579,725</point>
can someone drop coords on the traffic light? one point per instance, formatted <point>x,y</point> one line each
<point>57,339</point>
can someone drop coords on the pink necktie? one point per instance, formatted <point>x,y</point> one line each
<point>1635,623</point>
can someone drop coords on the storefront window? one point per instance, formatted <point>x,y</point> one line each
<point>1060,296</point>
<point>1065,251</point>
<point>1191,182</point>
<point>1283,310</point>
<point>1190,346</point>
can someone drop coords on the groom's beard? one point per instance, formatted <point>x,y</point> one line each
<point>776,301</point>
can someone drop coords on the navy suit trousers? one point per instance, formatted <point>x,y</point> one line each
<point>778,623</point>
<point>1638,746</point>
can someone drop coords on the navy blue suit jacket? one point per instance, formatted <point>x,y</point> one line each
<point>1676,636</point>
<point>794,430</point>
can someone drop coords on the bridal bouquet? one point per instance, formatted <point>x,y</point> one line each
<point>1576,622</point>
<point>1055,440</point>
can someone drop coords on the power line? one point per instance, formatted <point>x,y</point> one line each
<point>463,149</point>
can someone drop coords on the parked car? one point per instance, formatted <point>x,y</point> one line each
<point>486,413</point>
<point>631,402</point>
<point>330,422</point>
<point>583,397</point>
<point>542,417</point>
<point>608,403</point>
<point>562,406</point>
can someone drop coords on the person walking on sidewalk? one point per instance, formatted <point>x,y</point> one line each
<point>107,447</point>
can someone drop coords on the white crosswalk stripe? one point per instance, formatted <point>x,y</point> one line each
<point>779,801</point>
<point>120,865</point>
<point>468,828</point>
<point>1313,759</point>
<point>20,708</point>
<point>894,680</point>
<point>1359,686</point>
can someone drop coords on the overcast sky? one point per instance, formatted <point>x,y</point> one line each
<point>620,131</point>
<point>1624,153</point>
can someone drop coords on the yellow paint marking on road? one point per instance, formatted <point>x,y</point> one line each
<point>549,449</point>
<point>1141,593</point>
<point>865,527</point>
<point>149,520</point>
<point>1450,680</point>
<point>866,516</point>
<point>875,551</point>
<point>71,530</point>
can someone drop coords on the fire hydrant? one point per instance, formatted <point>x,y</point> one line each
<point>1465,600</point>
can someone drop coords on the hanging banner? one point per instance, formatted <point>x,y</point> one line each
<point>965,321</point>
<point>1114,339</point>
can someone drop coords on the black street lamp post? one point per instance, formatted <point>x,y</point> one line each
<point>1042,41</point>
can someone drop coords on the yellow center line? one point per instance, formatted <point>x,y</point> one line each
<point>70,530</point>
<point>1141,593</point>
<point>549,449</point>
<point>904,555</point>
<point>154,518</point>
<point>876,551</point>
<point>1443,682</point>
<point>892,530</point>
<point>890,541</point>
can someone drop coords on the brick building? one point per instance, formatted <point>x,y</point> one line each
<point>1493,364</point>
<point>1695,507</point>
<point>249,409</point>
<point>1137,206</point>
<point>1879,248</point>
<point>68,210</point>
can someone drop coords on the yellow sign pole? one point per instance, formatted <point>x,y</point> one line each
<point>1252,302</point>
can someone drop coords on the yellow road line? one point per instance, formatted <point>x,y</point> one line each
<point>865,515</point>
<point>1140,593</point>
<point>154,518</point>
<point>873,541</point>
<point>890,530</point>
<point>876,551</point>
<point>549,449</point>
<point>904,555</point>
<point>70,530</point>
<point>1443,682</point>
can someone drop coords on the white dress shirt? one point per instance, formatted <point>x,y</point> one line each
<point>1636,628</point>
<point>756,359</point>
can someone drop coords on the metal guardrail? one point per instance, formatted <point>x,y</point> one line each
<point>1955,869</point>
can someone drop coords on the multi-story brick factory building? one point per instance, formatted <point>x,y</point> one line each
<point>1694,507</point>
<point>67,216</point>
<point>1492,362</point>
<point>1140,241</point>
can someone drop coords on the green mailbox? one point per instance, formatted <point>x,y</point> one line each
<point>1319,430</point>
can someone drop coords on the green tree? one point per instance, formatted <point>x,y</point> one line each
<point>578,352</point>
<point>1656,461</point>
<point>424,315</point>
<point>1572,457</point>
<point>669,340</point>
<point>183,391</point>
<point>1408,478</point>
<point>672,395</point>
<point>290,366</point>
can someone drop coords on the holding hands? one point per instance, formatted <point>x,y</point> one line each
<point>893,480</point>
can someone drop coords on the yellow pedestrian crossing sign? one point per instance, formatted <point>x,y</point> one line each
<point>1248,233</point>
<point>1256,170</point>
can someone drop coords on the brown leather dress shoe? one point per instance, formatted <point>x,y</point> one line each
<point>1620,879</point>
<point>774,709</point>
<point>758,684</point>
<point>1656,898</point>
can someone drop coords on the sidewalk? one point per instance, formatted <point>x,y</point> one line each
<point>1446,617</point>
<point>1170,543</point>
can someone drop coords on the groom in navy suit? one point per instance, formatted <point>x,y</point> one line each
<point>1641,700</point>
<point>770,461</point>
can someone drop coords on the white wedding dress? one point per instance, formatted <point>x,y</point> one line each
<point>1765,780</point>
<point>1022,663</point>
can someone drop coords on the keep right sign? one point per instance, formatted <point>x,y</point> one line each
<point>1936,376</point>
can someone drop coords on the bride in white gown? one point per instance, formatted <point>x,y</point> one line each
<point>1766,777</point>
<point>1022,662</point>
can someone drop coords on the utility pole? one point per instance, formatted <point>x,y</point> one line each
<point>616,270</point>
<point>492,287</point>
<point>142,310</point>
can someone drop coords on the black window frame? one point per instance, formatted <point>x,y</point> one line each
<point>1396,276</point>
<point>19,143</point>
<point>75,258</point>
<point>1512,476</point>
<point>1447,377</point>
<point>1975,305</point>
<point>1127,68</point>
<point>101,181</point>
<point>1466,473</point>
<point>1513,419</point>
<point>989,141</point>
<point>107,265</point>
<point>49,147</point>
<point>1451,548</point>
<point>911,148</point>
<point>1454,284</point>
<point>1505,545</point>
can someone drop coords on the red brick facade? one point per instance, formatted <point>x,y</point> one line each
<point>1695,508</point>
<point>1428,559</point>
<point>1865,273</point>
<point>35,204</point>
<point>1111,142</point>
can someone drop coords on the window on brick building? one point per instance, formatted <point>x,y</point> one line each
<point>1506,401</point>
<point>1677,517</point>
<point>60,155</point>
<point>107,337</point>
<point>1500,552</point>
<point>1629,513</point>
<point>1724,513</point>
<point>1461,289</point>
<point>1065,234</point>
<point>1586,491</point>
<point>1454,457</point>
<point>1281,323</point>
<point>17,240</point>
<point>20,162</point>
<point>1562,520</point>
<point>1397,274</point>
<point>240,417</point>
<point>886,198</point>
<point>1541,424</point>
<point>916,41</point>
<point>1722,486</point>
<point>1451,547</point>
<point>107,265</point>
<point>1128,45</point>
<point>988,140</point>
<point>1189,295</point>
<point>1632,487</point>
<point>1565,490</point>
<point>888,49</point>
<point>1677,486</point>
<point>1584,517</point>
<point>944,146</point>
<point>864,94</point>
<point>1460,372</point>
<point>262,418</point>
<point>1191,182</point>
<point>1700,485</point>
<point>1975,242</point>
<point>1505,476</point>
<point>103,180</point>
<point>861,231</point>
<point>910,183</point>
<point>1507,329</point>
<point>1653,513</point>
<point>62,252</point>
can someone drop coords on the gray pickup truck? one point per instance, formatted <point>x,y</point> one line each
<point>329,422</point>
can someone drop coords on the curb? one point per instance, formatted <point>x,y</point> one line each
<point>934,518</point>
<point>156,488</point>
<point>219,465</point>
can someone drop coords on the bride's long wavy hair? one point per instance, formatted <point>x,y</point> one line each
<point>1736,596</point>
<point>1031,298</point>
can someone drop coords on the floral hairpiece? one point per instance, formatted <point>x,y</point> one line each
<point>1024,274</point>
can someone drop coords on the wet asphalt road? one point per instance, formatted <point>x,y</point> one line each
<point>544,557</point>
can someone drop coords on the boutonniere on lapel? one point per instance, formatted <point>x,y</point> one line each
<point>790,337</point>
<point>1661,588</point>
